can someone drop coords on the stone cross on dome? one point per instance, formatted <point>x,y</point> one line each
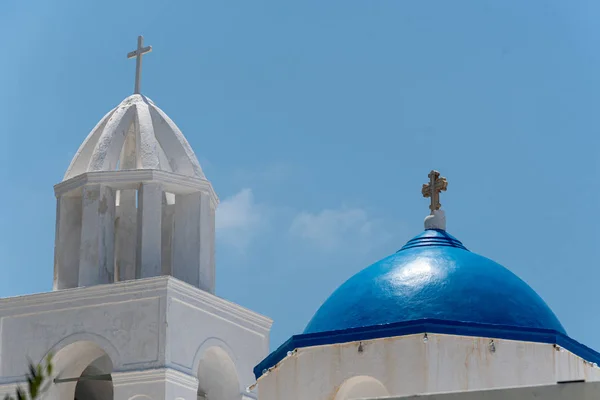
<point>437,184</point>
<point>432,189</point>
<point>138,53</point>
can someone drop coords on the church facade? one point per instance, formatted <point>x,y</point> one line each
<point>134,315</point>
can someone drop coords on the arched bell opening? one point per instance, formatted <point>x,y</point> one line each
<point>95,382</point>
<point>83,372</point>
<point>109,234</point>
<point>217,376</point>
<point>126,230</point>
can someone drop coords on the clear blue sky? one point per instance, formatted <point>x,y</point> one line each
<point>317,122</point>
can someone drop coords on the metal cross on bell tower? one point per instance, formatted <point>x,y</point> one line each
<point>138,53</point>
<point>432,189</point>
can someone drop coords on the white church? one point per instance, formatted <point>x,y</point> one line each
<point>134,314</point>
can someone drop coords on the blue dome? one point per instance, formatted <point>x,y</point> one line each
<point>434,277</point>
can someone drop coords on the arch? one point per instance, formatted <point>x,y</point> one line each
<point>245,376</point>
<point>217,372</point>
<point>100,341</point>
<point>208,343</point>
<point>80,355</point>
<point>96,389</point>
<point>362,386</point>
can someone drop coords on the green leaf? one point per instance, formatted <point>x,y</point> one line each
<point>38,379</point>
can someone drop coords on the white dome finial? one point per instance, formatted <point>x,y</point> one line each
<point>437,220</point>
<point>437,184</point>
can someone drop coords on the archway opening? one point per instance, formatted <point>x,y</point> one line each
<point>359,387</point>
<point>83,372</point>
<point>217,376</point>
<point>95,382</point>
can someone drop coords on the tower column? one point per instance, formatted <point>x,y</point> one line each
<point>96,251</point>
<point>149,234</point>
<point>168,217</point>
<point>193,241</point>
<point>126,235</point>
<point>207,257</point>
<point>68,236</point>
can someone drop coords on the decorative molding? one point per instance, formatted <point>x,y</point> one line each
<point>199,298</point>
<point>181,379</point>
<point>154,375</point>
<point>137,377</point>
<point>131,179</point>
<point>11,388</point>
<point>102,342</point>
<point>14,305</point>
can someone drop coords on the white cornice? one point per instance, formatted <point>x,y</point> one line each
<point>153,375</point>
<point>54,298</point>
<point>201,299</point>
<point>141,288</point>
<point>130,179</point>
<point>181,379</point>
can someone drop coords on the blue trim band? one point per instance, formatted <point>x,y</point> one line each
<point>433,237</point>
<point>405,328</point>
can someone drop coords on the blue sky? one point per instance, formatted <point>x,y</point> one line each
<point>317,122</point>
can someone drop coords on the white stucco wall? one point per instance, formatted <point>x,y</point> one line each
<point>571,391</point>
<point>408,365</point>
<point>157,327</point>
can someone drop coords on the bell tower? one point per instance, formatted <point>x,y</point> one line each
<point>133,314</point>
<point>134,203</point>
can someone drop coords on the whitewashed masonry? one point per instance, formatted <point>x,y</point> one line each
<point>134,203</point>
<point>158,338</point>
<point>133,315</point>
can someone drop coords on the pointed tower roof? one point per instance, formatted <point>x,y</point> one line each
<point>135,135</point>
